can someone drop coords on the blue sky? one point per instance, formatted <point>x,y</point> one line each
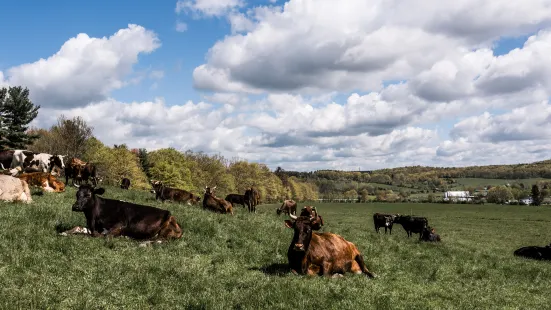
<point>276,71</point>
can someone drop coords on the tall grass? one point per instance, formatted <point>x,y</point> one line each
<point>239,262</point>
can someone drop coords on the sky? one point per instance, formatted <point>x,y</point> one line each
<point>303,84</point>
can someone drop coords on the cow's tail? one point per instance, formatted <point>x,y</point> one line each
<point>360,260</point>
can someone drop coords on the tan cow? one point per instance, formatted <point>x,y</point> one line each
<point>14,189</point>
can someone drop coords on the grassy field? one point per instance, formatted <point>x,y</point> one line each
<point>239,262</point>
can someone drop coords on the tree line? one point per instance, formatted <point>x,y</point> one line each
<point>186,170</point>
<point>194,170</point>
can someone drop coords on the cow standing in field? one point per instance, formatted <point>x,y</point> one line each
<point>252,198</point>
<point>288,206</point>
<point>214,203</point>
<point>163,193</point>
<point>321,253</point>
<point>36,162</point>
<point>534,252</point>
<point>119,218</point>
<point>383,220</point>
<point>412,224</point>
<point>237,199</point>
<point>125,183</point>
<point>311,211</point>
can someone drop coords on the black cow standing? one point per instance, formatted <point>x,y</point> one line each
<point>383,220</point>
<point>237,199</point>
<point>412,224</point>
<point>120,218</point>
<point>125,183</point>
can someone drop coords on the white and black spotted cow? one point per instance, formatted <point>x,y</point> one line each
<point>29,161</point>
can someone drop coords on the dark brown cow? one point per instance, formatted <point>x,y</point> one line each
<point>119,218</point>
<point>6,157</point>
<point>288,206</point>
<point>311,211</point>
<point>252,197</point>
<point>412,224</point>
<point>163,193</point>
<point>321,253</point>
<point>237,199</point>
<point>125,183</point>
<point>214,203</point>
<point>383,220</point>
<point>534,252</point>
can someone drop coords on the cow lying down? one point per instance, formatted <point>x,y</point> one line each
<point>535,252</point>
<point>43,180</point>
<point>113,218</point>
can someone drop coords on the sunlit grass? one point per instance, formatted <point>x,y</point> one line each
<point>239,262</point>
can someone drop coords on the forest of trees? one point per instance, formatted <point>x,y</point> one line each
<point>194,170</point>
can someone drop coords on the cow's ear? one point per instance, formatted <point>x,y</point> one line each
<point>99,191</point>
<point>316,225</point>
<point>289,223</point>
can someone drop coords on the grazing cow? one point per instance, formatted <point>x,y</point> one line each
<point>383,220</point>
<point>214,203</point>
<point>6,157</point>
<point>36,162</point>
<point>412,224</point>
<point>237,199</point>
<point>163,193</point>
<point>14,189</point>
<point>288,206</point>
<point>321,253</point>
<point>311,211</point>
<point>430,235</point>
<point>43,180</point>
<point>125,183</point>
<point>534,252</point>
<point>120,218</point>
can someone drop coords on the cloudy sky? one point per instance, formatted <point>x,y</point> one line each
<point>303,84</point>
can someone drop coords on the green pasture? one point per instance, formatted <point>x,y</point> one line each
<point>239,262</point>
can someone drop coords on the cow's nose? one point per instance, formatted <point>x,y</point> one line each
<point>299,247</point>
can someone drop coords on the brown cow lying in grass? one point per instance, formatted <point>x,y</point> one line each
<point>43,180</point>
<point>214,203</point>
<point>321,253</point>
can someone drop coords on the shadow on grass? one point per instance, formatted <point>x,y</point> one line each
<point>277,269</point>
<point>61,227</point>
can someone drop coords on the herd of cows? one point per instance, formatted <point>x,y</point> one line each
<point>310,252</point>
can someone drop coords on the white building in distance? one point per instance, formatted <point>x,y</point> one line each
<point>458,196</point>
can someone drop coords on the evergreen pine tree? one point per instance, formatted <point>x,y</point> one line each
<point>16,112</point>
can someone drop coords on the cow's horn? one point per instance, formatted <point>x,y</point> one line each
<point>77,186</point>
<point>294,217</point>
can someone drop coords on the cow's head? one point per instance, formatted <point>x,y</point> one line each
<point>86,196</point>
<point>303,227</point>
<point>57,160</point>
<point>156,185</point>
<point>209,191</point>
<point>312,212</point>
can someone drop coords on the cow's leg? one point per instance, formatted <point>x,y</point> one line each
<point>76,230</point>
